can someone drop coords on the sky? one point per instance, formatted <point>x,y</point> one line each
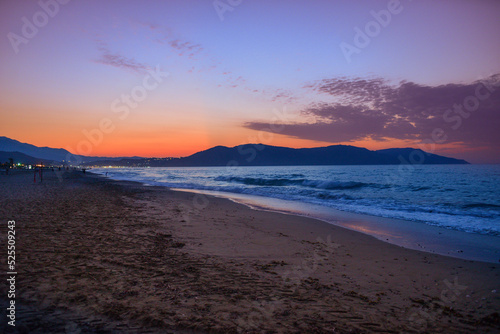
<point>171,78</point>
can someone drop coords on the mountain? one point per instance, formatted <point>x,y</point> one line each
<point>264,155</point>
<point>242,155</point>
<point>55,154</point>
<point>48,153</point>
<point>22,158</point>
<point>417,156</point>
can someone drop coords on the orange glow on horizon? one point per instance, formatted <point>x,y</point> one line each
<point>185,143</point>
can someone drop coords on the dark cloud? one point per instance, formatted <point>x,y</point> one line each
<point>354,91</point>
<point>467,114</point>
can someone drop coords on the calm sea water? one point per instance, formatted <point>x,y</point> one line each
<point>459,197</point>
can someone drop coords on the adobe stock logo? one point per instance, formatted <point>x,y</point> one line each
<point>30,28</point>
<point>363,37</point>
<point>225,6</point>
<point>121,106</point>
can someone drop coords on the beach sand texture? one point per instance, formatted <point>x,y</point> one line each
<point>95,255</point>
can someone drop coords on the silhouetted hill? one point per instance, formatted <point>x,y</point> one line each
<point>21,158</point>
<point>48,153</point>
<point>242,155</point>
<point>11,145</point>
<point>415,156</point>
<point>264,155</point>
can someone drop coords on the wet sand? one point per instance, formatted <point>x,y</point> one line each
<point>99,256</point>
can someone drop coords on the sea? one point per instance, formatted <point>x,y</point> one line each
<point>463,198</point>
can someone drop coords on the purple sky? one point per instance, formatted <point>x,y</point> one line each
<point>376,74</point>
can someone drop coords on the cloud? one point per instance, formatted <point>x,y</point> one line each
<point>281,95</point>
<point>119,61</point>
<point>185,48</point>
<point>204,63</point>
<point>164,35</point>
<point>467,114</point>
<point>122,62</point>
<point>156,33</point>
<point>354,91</point>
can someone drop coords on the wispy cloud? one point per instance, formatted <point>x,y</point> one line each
<point>202,62</point>
<point>122,62</point>
<point>164,35</point>
<point>185,48</point>
<point>116,60</point>
<point>196,53</point>
<point>467,114</point>
<point>282,96</point>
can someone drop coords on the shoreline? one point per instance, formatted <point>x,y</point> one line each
<point>166,259</point>
<point>417,235</point>
<point>408,234</point>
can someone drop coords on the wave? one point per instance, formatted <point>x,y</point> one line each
<point>282,182</point>
<point>432,203</point>
<point>420,188</point>
<point>329,196</point>
<point>481,205</point>
<point>335,185</point>
<point>260,181</point>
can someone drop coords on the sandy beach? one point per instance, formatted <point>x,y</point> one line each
<point>101,256</point>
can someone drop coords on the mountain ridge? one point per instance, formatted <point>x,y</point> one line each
<point>22,158</point>
<point>266,155</point>
<point>246,155</point>
<point>48,153</point>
